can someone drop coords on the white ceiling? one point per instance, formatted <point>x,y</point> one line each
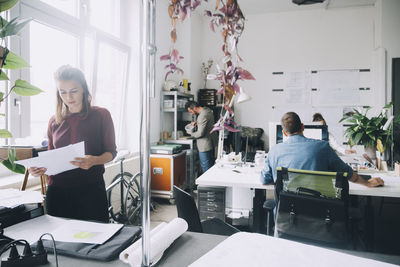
<point>270,6</point>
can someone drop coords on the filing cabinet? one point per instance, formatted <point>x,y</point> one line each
<point>211,202</point>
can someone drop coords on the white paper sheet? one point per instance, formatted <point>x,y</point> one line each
<point>62,229</point>
<point>339,87</point>
<point>298,87</point>
<point>13,197</point>
<point>56,160</point>
<point>251,249</point>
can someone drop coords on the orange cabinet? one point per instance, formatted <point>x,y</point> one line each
<point>167,171</point>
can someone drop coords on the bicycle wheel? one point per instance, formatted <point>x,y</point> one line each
<point>130,200</point>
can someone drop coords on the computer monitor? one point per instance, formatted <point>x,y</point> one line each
<point>311,130</point>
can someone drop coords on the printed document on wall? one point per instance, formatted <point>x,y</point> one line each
<point>338,87</point>
<point>298,87</point>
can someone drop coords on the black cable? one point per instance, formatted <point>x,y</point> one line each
<point>54,245</point>
<point>10,244</point>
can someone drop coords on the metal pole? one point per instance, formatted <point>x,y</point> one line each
<point>147,84</point>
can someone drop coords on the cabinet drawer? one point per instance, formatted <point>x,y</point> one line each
<point>210,206</point>
<point>212,196</point>
<point>209,215</point>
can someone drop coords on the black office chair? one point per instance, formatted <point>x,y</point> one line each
<point>187,210</point>
<point>312,207</point>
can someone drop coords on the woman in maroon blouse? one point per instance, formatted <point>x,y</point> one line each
<point>79,193</point>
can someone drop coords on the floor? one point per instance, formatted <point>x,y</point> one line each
<point>163,211</point>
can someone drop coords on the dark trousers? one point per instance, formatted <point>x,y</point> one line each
<point>88,202</point>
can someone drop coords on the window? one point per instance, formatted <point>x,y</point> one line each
<point>56,38</point>
<point>105,16</point>
<point>110,81</point>
<point>45,58</point>
<point>70,7</point>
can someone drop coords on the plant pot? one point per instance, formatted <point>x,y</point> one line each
<point>370,151</point>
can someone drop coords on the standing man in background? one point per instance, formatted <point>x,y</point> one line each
<point>205,139</point>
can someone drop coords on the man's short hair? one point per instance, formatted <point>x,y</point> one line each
<point>291,123</point>
<point>191,104</point>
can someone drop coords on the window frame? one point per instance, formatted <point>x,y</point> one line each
<point>18,112</point>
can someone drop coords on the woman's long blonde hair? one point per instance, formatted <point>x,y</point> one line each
<point>68,73</point>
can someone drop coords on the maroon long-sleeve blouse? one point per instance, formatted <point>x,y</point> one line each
<point>97,130</point>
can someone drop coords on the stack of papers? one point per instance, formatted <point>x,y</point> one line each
<point>56,160</point>
<point>12,197</point>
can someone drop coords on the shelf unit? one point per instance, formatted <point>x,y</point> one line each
<point>175,96</point>
<point>188,144</point>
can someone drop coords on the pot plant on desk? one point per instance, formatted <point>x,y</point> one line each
<point>374,133</point>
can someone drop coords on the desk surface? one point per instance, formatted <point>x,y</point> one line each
<point>391,188</point>
<point>250,249</point>
<point>231,176</point>
<point>184,251</point>
<point>249,177</point>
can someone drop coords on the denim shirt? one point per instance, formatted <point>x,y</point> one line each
<point>299,152</point>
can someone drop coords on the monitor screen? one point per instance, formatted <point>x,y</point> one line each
<point>319,132</point>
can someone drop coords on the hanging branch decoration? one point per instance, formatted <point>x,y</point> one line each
<point>231,20</point>
<point>177,9</point>
<point>229,17</point>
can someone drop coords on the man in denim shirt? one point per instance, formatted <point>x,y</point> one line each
<point>300,152</point>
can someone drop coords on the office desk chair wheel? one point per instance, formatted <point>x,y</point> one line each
<point>124,198</point>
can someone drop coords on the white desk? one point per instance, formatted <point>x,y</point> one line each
<point>247,177</point>
<point>250,249</point>
<point>244,177</point>
<point>229,176</point>
<point>391,188</point>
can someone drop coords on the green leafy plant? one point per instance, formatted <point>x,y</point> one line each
<point>11,61</point>
<point>370,131</point>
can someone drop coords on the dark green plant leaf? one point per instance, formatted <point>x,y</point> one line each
<point>5,133</point>
<point>24,88</point>
<point>12,157</point>
<point>13,61</point>
<point>388,105</point>
<point>3,76</point>
<point>17,167</point>
<point>7,4</point>
<point>2,22</point>
<point>1,96</point>
<point>13,27</point>
<point>357,138</point>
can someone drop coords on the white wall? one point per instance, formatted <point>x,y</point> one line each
<point>390,25</point>
<point>290,41</point>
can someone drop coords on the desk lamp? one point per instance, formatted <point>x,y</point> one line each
<point>242,97</point>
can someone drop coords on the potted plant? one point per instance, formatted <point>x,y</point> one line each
<point>374,133</point>
<point>11,61</point>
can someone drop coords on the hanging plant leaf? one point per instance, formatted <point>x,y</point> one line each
<point>13,27</point>
<point>165,57</point>
<point>24,88</point>
<point>5,133</point>
<point>13,61</point>
<point>1,96</point>
<point>17,167</point>
<point>2,114</point>
<point>7,4</point>
<point>3,76</point>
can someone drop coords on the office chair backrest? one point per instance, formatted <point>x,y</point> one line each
<point>187,210</point>
<point>332,185</point>
<point>312,205</point>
